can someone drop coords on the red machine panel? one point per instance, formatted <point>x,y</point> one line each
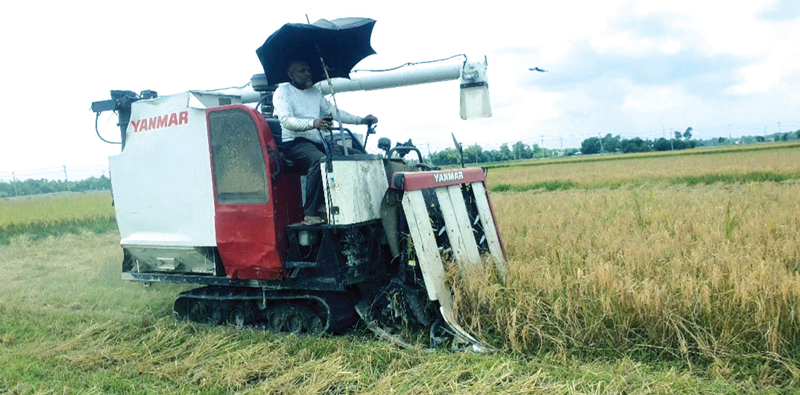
<point>251,211</point>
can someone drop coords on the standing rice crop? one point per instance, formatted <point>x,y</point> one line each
<point>701,273</point>
<point>617,170</point>
<point>41,216</point>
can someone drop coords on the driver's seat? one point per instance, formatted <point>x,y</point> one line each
<point>277,134</point>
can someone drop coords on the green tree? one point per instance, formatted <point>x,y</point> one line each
<point>688,133</point>
<point>520,151</point>
<point>611,143</point>
<point>635,144</point>
<point>473,154</point>
<point>504,153</point>
<point>662,144</point>
<point>34,187</point>
<point>448,156</point>
<point>592,145</point>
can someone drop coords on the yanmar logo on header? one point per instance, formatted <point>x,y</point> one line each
<point>449,176</point>
<point>162,121</point>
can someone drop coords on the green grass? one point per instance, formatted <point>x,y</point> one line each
<point>758,176</point>
<point>41,229</point>
<point>545,185</point>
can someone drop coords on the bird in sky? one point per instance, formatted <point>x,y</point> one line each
<point>538,69</point>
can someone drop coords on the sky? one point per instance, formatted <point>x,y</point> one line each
<point>629,68</point>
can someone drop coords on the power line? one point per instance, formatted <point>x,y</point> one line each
<point>63,172</point>
<point>699,133</point>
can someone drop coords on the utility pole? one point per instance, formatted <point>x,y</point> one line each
<point>602,150</point>
<point>671,144</point>
<point>779,128</point>
<point>14,180</point>
<point>66,181</point>
<point>729,134</point>
<point>543,151</point>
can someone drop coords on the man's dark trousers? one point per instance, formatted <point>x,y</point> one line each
<point>307,156</point>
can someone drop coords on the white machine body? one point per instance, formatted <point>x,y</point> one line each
<point>162,184</point>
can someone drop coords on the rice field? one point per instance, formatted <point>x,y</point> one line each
<point>652,274</point>
<point>693,258</point>
<point>55,207</point>
<point>692,272</point>
<point>69,325</point>
<point>39,216</point>
<point>780,163</point>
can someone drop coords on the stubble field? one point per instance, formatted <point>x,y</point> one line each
<point>657,274</point>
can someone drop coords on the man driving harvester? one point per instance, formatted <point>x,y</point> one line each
<point>303,112</point>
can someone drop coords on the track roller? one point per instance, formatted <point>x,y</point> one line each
<point>277,311</point>
<point>241,316</point>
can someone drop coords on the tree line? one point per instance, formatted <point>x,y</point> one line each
<point>595,145</point>
<point>680,141</point>
<point>610,144</point>
<point>450,156</point>
<point>35,187</point>
<point>476,154</point>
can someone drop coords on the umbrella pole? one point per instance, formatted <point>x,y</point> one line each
<point>329,165</point>
<point>335,105</point>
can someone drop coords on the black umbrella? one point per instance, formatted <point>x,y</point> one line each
<point>341,43</point>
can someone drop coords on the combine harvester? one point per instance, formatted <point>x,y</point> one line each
<point>203,196</point>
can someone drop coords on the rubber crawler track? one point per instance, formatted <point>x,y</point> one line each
<point>278,311</point>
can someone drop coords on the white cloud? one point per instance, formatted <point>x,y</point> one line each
<point>718,27</point>
<point>623,43</point>
<point>655,99</point>
<point>671,47</point>
<point>782,62</point>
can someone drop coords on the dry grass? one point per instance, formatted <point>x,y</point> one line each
<point>703,274</point>
<point>68,325</point>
